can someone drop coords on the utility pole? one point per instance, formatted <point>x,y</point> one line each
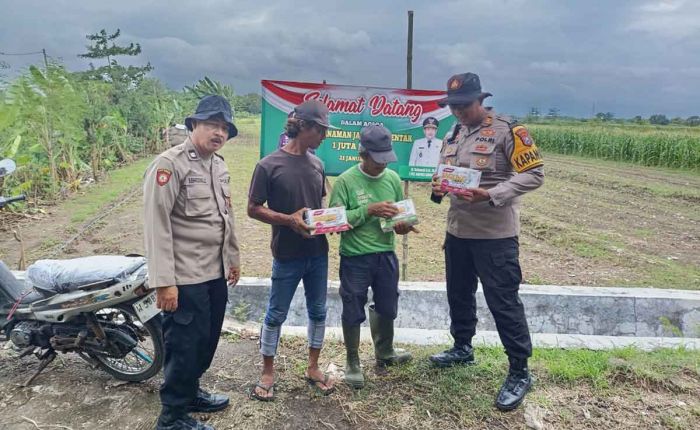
<point>46,61</point>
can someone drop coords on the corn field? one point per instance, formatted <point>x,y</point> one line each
<point>644,145</point>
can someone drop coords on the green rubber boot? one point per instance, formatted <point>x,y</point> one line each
<point>353,372</point>
<point>383,336</point>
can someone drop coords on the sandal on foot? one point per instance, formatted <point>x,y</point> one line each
<point>253,395</point>
<point>314,383</point>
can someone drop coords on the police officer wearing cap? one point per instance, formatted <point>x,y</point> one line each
<point>482,230</point>
<point>192,255</point>
<point>426,151</point>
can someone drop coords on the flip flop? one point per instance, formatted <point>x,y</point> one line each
<point>313,383</point>
<point>253,395</point>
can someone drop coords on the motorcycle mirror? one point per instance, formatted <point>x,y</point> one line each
<point>7,166</point>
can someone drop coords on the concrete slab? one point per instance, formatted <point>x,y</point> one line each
<point>574,310</point>
<point>490,338</point>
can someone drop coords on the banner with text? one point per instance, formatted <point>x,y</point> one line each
<point>418,125</point>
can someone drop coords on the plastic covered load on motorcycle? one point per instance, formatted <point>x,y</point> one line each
<point>62,276</point>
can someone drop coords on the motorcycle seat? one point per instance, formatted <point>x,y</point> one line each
<point>14,289</point>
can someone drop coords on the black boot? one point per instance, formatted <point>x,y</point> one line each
<point>517,384</point>
<point>458,354</point>
<point>382,329</point>
<point>353,372</point>
<point>207,402</point>
<point>169,419</point>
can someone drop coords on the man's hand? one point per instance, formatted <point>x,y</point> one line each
<point>382,209</point>
<point>166,298</point>
<point>403,228</point>
<point>296,222</point>
<point>437,190</point>
<point>475,195</point>
<point>234,275</point>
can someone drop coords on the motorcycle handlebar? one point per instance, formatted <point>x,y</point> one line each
<point>7,200</point>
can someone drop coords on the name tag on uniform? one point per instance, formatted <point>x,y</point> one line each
<point>193,180</point>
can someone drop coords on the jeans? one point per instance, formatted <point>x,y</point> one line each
<point>286,275</point>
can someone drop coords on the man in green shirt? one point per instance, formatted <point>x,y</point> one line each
<point>367,257</point>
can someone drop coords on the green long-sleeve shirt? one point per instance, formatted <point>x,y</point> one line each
<point>356,191</point>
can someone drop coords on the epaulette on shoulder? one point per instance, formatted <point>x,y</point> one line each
<point>174,152</point>
<point>508,120</point>
<point>219,155</point>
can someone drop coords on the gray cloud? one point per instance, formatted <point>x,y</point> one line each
<point>627,57</point>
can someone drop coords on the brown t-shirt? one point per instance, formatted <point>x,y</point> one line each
<point>287,183</point>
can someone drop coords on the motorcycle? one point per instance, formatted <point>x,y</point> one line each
<point>98,307</point>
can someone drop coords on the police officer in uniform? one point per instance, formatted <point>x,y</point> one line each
<point>483,228</point>
<point>426,151</point>
<point>192,254</point>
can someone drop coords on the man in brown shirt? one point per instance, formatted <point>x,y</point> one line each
<point>482,230</point>
<point>192,253</point>
<point>284,185</point>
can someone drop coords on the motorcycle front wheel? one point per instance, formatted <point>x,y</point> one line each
<point>146,359</point>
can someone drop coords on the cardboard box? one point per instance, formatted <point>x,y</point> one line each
<point>457,180</point>
<point>407,214</point>
<point>330,220</point>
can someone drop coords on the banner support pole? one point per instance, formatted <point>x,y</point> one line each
<point>409,85</point>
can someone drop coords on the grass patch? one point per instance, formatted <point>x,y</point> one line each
<point>87,204</point>
<point>417,395</point>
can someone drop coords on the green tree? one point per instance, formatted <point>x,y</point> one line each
<point>41,118</point>
<point>104,47</point>
<point>148,110</point>
<point>605,116</point>
<point>693,121</point>
<point>251,103</point>
<point>659,119</point>
<point>208,86</point>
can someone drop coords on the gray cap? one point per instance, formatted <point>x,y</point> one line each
<point>315,111</point>
<point>376,139</point>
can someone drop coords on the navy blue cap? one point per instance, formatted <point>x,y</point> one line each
<point>463,89</point>
<point>211,106</point>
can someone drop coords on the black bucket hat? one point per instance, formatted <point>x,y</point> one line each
<point>463,89</point>
<point>211,106</point>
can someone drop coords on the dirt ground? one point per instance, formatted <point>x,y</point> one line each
<point>71,395</point>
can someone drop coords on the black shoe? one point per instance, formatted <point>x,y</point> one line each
<point>455,355</point>
<point>206,402</point>
<point>512,393</point>
<point>185,422</point>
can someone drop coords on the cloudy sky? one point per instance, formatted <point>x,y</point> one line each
<point>622,56</point>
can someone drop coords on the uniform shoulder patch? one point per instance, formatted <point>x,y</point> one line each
<point>525,155</point>
<point>163,176</point>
